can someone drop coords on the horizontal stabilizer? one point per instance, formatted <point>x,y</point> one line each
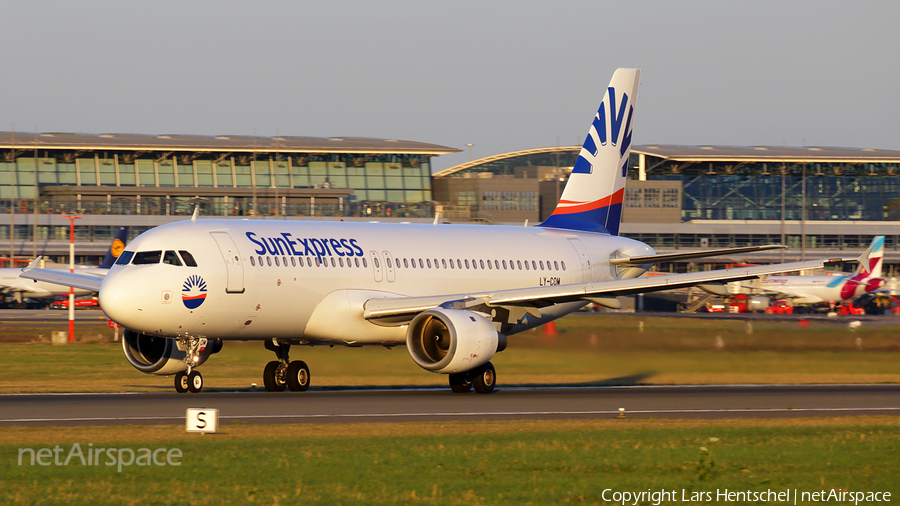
<point>651,259</point>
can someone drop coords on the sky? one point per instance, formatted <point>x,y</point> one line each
<point>500,75</point>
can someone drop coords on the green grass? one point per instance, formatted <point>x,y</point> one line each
<point>537,462</point>
<point>609,349</point>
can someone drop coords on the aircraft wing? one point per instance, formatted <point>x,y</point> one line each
<point>690,254</point>
<point>398,309</point>
<point>84,281</point>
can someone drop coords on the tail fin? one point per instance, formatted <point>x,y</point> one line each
<point>592,199</point>
<point>115,249</point>
<point>870,261</point>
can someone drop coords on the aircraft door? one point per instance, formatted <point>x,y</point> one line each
<point>585,259</point>
<point>233,265</point>
<point>388,266</point>
<point>376,266</point>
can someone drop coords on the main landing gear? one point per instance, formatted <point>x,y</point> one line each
<point>482,379</point>
<point>282,373</point>
<point>190,380</point>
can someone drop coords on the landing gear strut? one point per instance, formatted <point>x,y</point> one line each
<point>190,380</point>
<point>482,379</point>
<point>282,373</point>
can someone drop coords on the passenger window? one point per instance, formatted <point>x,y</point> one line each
<point>309,261</point>
<point>504,265</point>
<point>253,261</point>
<point>451,263</point>
<point>542,264</point>
<point>260,261</point>
<point>444,263</point>
<point>533,265</point>
<point>519,264</point>
<point>467,263</point>
<point>497,264</point>
<point>389,263</point>
<point>356,261</point>
<point>284,261</point>
<point>365,264</point>
<point>377,263</point>
<point>526,265</point>
<point>147,257</point>
<point>293,262</point>
<point>428,262</point>
<point>277,262</point>
<point>341,261</point>
<point>332,262</point>
<point>188,258</point>
<point>458,263</point>
<point>555,265</point>
<point>563,263</point>
<point>169,257</point>
<point>269,261</point>
<point>124,258</point>
<point>421,264</point>
<point>405,263</point>
<point>489,265</point>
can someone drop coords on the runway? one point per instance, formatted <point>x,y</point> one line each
<point>367,406</point>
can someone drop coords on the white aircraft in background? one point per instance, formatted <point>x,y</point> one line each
<point>450,293</point>
<point>828,288</point>
<point>12,284</point>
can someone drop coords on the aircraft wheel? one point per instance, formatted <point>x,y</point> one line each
<point>485,380</point>
<point>181,382</point>
<point>273,381</point>
<point>195,382</point>
<point>459,384</point>
<point>298,376</point>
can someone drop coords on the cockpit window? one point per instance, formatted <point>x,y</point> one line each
<point>171,258</point>
<point>124,258</point>
<point>147,257</point>
<point>188,258</point>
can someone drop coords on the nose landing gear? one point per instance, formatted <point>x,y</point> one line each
<point>190,380</point>
<point>282,373</point>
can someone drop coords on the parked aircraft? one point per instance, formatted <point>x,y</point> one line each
<point>814,289</point>
<point>19,288</point>
<point>451,294</point>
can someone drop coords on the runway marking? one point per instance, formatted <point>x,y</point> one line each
<point>460,414</point>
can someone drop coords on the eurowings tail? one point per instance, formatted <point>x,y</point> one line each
<point>592,199</point>
<point>870,261</point>
<point>115,249</point>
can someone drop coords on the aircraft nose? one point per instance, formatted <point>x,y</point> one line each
<point>121,300</point>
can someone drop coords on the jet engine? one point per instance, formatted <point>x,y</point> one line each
<point>160,355</point>
<point>452,340</point>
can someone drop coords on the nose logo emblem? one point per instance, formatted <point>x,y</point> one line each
<point>193,293</point>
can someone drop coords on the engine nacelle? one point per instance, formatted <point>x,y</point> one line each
<point>160,355</point>
<point>452,340</point>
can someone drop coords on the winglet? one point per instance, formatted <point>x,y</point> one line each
<point>34,263</point>
<point>437,219</point>
<point>196,212</point>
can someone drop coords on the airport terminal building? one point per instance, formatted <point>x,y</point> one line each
<point>142,181</point>
<point>821,202</point>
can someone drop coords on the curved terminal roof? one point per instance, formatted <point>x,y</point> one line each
<point>249,144</point>
<point>748,154</point>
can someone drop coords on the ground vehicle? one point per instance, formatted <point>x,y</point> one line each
<point>780,307</point>
<point>79,304</point>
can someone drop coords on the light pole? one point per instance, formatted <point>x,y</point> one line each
<point>469,145</point>
<point>71,219</point>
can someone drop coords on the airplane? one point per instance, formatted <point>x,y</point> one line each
<point>451,294</point>
<point>11,283</point>
<point>814,289</point>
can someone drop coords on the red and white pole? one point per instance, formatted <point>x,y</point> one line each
<point>72,219</point>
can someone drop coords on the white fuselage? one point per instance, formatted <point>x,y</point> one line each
<point>815,289</point>
<point>308,281</point>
